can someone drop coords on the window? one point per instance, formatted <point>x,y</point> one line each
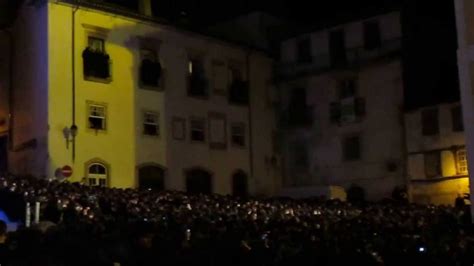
<point>198,130</point>
<point>97,175</point>
<point>96,61</point>
<point>432,164</point>
<point>150,124</point>
<point>197,85</point>
<point>429,122</point>
<point>456,118</point>
<point>239,89</point>
<point>217,131</point>
<point>238,134</point>
<point>299,112</point>
<point>219,78</point>
<point>178,128</point>
<point>461,157</point>
<point>96,44</point>
<point>299,156</point>
<point>97,117</point>
<point>372,38</point>
<point>150,69</point>
<point>347,88</point>
<point>337,48</point>
<point>351,148</point>
<point>303,51</point>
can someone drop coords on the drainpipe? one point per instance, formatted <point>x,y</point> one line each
<point>73,50</point>
<point>247,62</point>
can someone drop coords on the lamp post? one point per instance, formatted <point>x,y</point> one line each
<point>70,134</point>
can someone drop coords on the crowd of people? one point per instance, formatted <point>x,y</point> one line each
<point>83,225</point>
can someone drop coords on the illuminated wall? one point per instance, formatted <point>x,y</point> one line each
<point>123,147</point>
<point>443,151</point>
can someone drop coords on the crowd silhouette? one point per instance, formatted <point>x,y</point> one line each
<point>83,225</point>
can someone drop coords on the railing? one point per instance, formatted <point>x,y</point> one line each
<point>355,56</point>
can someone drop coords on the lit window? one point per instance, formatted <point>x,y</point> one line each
<point>198,130</point>
<point>97,175</point>
<point>97,119</point>
<point>462,162</point>
<point>238,134</point>
<point>150,124</point>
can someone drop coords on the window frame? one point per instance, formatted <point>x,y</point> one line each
<point>156,123</point>
<point>192,128</point>
<point>105,122</point>
<point>243,127</point>
<point>97,178</point>
<point>462,167</point>
<point>426,164</point>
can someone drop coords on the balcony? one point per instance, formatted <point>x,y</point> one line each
<point>355,57</point>
<point>97,65</point>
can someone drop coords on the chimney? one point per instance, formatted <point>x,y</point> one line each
<point>144,7</point>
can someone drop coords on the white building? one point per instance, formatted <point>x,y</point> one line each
<point>127,101</point>
<point>436,154</point>
<point>341,94</point>
<point>465,28</point>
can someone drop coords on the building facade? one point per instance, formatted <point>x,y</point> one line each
<point>465,28</point>
<point>5,58</point>
<point>436,154</point>
<point>341,94</point>
<point>130,102</point>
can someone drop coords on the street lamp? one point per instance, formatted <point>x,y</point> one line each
<point>70,134</point>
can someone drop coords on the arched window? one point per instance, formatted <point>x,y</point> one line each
<point>97,175</point>
<point>151,177</point>
<point>240,184</point>
<point>198,181</point>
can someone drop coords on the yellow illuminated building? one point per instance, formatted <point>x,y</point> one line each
<point>129,102</point>
<point>436,154</point>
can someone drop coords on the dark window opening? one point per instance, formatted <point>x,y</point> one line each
<point>457,119</point>
<point>96,61</point>
<point>299,113</point>
<point>347,88</point>
<point>337,48</point>
<point>430,122</point>
<point>432,164</point>
<point>150,69</point>
<point>372,37</point>
<point>198,182</point>
<point>151,177</point>
<point>198,84</point>
<point>240,184</point>
<point>303,51</point>
<point>351,148</point>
